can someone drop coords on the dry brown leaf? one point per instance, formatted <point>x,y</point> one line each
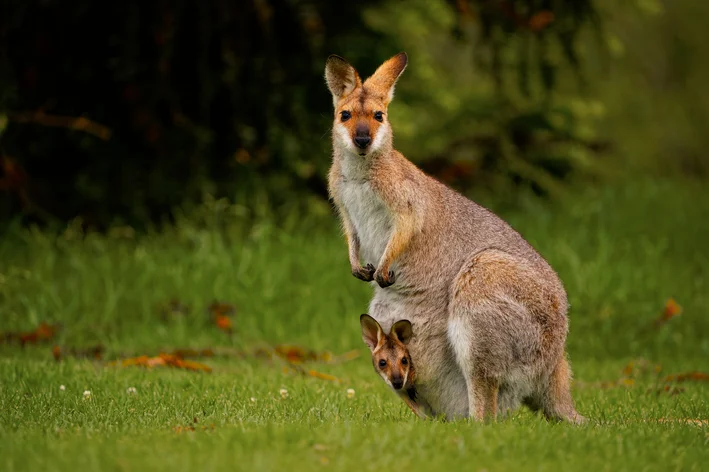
<point>671,391</point>
<point>43,332</point>
<point>669,311</point>
<point>223,322</point>
<point>168,360</point>
<point>695,376</point>
<point>540,20</point>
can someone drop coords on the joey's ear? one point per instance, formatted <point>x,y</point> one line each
<point>403,331</point>
<point>384,78</point>
<point>341,78</point>
<point>372,333</point>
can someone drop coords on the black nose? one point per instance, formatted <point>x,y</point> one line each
<point>397,384</point>
<point>362,141</point>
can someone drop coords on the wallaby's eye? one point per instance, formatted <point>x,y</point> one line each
<point>346,115</point>
<point>382,363</point>
<point>404,361</point>
<point>379,116</point>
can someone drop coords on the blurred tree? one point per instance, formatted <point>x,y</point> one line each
<point>126,109</point>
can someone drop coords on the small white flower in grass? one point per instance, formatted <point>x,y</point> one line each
<point>62,388</point>
<point>350,393</point>
<point>283,392</point>
<point>131,391</point>
<point>87,394</point>
<point>253,400</point>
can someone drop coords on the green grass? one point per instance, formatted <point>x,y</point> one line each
<point>622,252</point>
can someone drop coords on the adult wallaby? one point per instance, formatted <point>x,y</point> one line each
<point>489,313</point>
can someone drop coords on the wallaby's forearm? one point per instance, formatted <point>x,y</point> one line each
<point>405,226</point>
<point>362,273</point>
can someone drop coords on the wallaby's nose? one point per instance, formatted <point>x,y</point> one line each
<point>397,383</point>
<point>362,141</point>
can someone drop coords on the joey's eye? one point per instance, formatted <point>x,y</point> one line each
<point>404,361</point>
<point>382,363</point>
<point>379,116</point>
<point>345,115</point>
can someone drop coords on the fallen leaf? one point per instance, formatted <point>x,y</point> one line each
<point>168,360</point>
<point>320,375</point>
<point>220,313</point>
<point>310,373</point>
<point>696,376</point>
<point>540,20</point>
<point>670,310</point>
<point>671,391</point>
<point>223,322</point>
<point>44,332</point>
<point>182,429</point>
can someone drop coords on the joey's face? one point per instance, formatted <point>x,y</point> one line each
<point>361,126</point>
<point>393,363</point>
<point>390,354</point>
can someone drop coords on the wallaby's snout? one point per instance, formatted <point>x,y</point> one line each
<point>397,382</point>
<point>362,138</point>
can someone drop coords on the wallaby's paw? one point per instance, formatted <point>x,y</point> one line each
<point>384,280</point>
<point>365,273</point>
<point>578,419</point>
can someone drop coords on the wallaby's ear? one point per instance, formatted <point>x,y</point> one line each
<point>341,78</point>
<point>385,77</point>
<point>403,331</point>
<point>372,333</point>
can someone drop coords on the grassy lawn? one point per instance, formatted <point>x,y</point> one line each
<point>622,253</point>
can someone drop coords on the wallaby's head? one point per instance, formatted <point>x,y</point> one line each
<point>390,356</point>
<point>361,126</point>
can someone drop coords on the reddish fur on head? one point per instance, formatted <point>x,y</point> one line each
<point>361,126</point>
<point>390,356</point>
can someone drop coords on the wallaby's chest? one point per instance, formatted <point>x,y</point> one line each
<point>371,219</point>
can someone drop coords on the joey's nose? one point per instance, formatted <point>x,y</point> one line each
<point>397,384</point>
<point>362,141</point>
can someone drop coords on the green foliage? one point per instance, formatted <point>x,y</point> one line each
<point>618,260</point>
<point>653,85</point>
<point>463,123</point>
<point>225,98</point>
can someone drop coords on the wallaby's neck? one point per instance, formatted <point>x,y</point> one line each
<point>355,167</point>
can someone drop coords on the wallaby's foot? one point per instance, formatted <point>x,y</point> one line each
<point>483,404</point>
<point>576,418</point>
<point>384,280</point>
<point>365,273</point>
<point>558,403</point>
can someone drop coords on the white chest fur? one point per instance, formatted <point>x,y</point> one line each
<point>371,219</point>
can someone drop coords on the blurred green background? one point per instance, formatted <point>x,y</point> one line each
<point>121,112</point>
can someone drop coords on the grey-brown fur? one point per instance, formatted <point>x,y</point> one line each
<point>488,312</point>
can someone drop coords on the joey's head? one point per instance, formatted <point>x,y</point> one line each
<point>390,356</point>
<point>361,125</point>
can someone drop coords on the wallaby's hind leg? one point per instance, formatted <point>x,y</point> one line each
<point>484,404</point>
<point>506,322</point>
<point>556,403</point>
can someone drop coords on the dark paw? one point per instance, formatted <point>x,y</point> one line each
<point>365,273</point>
<point>385,280</point>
